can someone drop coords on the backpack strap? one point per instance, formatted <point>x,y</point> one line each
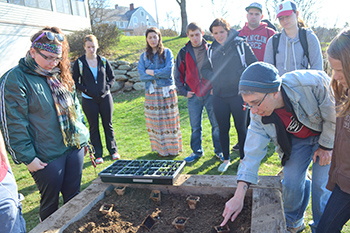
<point>103,59</point>
<point>241,52</point>
<point>275,42</point>
<point>303,41</point>
<point>80,63</point>
<point>183,56</point>
<point>209,54</point>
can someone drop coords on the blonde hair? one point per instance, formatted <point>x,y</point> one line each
<point>339,49</point>
<point>90,38</point>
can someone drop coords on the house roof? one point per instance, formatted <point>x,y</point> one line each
<point>120,14</point>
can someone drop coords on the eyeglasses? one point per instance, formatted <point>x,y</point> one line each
<point>247,106</point>
<point>49,59</point>
<point>50,36</point>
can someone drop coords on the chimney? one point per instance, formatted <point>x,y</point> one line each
<point>131,6</point>
<point>116,6</point>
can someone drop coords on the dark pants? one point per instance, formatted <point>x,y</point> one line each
<point>61,175</point>
<point>336,213</point>
<point>92,111</point>
<point>223,108</point>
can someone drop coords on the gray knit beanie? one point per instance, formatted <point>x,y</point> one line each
<point>260,77</point>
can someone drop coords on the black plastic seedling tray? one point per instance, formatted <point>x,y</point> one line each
<point>143,171</point>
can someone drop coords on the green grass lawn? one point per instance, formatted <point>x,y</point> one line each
<point>132,138</point>
<point>130,47</point>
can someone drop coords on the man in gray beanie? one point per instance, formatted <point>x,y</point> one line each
<point>296,112</point>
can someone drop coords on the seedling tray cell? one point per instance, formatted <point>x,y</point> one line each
<point>143,171</point>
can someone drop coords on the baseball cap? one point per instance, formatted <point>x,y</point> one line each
<point>254,5</point>
<point>285,8</point>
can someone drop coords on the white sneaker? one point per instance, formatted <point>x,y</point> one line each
<point>223,167</point>
<point>99,160</point>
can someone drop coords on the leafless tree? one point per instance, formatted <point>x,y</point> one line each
<point>220,9</point>
<point>98,10</point>
<point>182,4</point>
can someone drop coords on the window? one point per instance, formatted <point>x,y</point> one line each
<point>135,21</point>
<point>142,13</point>
<point>78,7</point>
<point>18,2</point>
<point>42,4</point>
<point>63,6</point>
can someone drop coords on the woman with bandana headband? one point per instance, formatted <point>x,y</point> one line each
<point>41,119</point>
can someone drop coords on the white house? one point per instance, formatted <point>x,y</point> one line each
<point>129,19</point>
<point>20,19</point>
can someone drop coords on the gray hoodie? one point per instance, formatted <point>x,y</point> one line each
<point>290,54</point>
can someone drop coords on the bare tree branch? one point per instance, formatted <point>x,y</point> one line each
<point>307,9</point>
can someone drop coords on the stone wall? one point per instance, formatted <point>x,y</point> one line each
<point>126,77</point>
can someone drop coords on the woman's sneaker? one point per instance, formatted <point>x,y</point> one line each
<point>223,167</point>
<point>115,156</point>
<point>99,160</point>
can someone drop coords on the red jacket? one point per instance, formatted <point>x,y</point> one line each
<point>257,38</point>
<point>187,75</point>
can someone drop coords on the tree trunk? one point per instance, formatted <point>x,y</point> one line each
<point>184,23</point>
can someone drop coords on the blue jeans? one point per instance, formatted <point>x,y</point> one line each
<point>337,212</point>
<point>195,107</point>
<point>10,207</point>
<point>296,187</point>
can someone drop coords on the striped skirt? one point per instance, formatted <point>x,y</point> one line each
<point>163,122</point>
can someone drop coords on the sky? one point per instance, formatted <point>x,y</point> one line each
<point>203,12</point>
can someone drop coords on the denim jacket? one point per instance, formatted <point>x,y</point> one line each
<point>163,71</point>
<point>308,91</point>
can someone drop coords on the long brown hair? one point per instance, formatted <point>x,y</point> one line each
<point>64,64</point>
<point>339,49</point>
<point>160,47</point>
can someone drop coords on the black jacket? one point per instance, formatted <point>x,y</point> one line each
<point>227,68</point>
<point>87,84</point>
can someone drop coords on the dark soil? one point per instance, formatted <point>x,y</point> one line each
<point>131,209</point>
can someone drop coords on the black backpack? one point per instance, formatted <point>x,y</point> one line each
<point>303,41</point>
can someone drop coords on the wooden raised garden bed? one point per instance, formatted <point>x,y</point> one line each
<point>266,204</point>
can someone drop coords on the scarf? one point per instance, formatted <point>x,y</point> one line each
<point>64,102</point>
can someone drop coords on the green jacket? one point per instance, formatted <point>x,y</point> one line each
<point>29,119</point>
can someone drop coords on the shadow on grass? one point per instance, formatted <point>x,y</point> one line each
<point>28,190</point>
<point>120,97</point>
<point>32,218</point>
<point>172,39</point>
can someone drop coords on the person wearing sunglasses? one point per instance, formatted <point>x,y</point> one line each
<point>295,111</point>
<point>42,121</point>
<point>93,76</point>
